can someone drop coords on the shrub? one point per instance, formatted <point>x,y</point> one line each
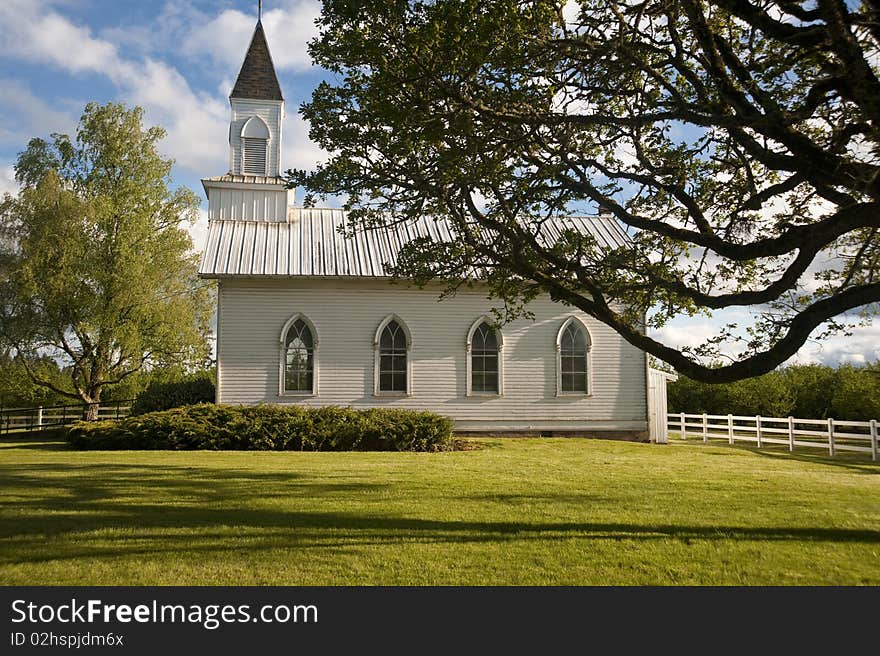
<point>164,395</point>
<point>268,428</point>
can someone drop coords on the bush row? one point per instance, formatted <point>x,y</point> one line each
<point>269,428</point>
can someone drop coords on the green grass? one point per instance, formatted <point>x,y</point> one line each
<point>516,511</point>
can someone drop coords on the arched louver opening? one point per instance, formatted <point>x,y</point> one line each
<point>254,146</point>
<point>393,359</point>
<point>299,358</point>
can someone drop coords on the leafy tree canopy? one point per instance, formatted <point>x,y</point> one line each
<point>737,142</point>
<point>97,266</point>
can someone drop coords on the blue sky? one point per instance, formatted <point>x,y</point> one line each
<point>178,59</point>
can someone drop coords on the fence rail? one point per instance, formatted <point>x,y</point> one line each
<point>832,434</point>
<point>24,420</point>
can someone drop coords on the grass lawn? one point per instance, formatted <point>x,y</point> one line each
<point>515,511</point>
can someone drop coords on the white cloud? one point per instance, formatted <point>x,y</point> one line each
<point>298,151</point>
<point>8,185</point>
<point>33,116</point>
<point>226,37</point>
<point>199,231</point>
<point>196,123</point>
<point>862,347</point>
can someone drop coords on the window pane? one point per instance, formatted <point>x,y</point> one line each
<point>491,383</point>
<point>398,383</point>
<point>574,382</point>
<point>478,381</point>
<point>485,338</point>
<point>385,382</point>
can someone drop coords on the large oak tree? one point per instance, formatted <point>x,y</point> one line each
<point>97,266</point>
<point>738,143</point>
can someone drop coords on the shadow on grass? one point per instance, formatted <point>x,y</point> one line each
<point>148,509</point>
<point>857,462</point>
<point>34,441</point>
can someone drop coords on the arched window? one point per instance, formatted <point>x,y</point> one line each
<point>254,146</point>
<point>298,370</point>
<point>573,359</point>
<point>392,344</point>
<point>484,362</point>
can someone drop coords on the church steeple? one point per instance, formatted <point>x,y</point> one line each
<point>257,79</point>
<point>252,190</point>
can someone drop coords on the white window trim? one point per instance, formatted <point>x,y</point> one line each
<point>377,358</point>
<point>469,366</point>
<point>589,337</point>
<point>283,358</point>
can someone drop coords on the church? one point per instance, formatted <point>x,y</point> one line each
<point>308,316</point>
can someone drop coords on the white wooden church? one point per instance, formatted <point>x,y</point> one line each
<point>307,316</point>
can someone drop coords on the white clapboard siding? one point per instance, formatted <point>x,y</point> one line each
<point>346,314</point>
<point>246,203</point>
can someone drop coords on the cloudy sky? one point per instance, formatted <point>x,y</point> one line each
<point>178,59</point>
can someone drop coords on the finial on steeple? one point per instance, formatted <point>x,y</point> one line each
<point>260,10</point>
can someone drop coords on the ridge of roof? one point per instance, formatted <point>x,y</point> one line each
<point>256,78</point>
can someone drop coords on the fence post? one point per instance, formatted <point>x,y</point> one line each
<point>758,424</point>
<point>705,429</point>
<point>683,429</point>
<point>791,434</point>
<point>830,436</point>
<point>730,428</point>
<point>873,439</point>
<point>40,418</point>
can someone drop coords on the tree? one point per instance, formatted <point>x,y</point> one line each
<point>737,142</point>
<point>99,272</point>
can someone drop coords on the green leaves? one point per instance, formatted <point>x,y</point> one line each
<point>101,269</point>
<point>736,141</point>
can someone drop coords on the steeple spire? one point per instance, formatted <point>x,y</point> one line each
<point>257,79</point>
<point>260,10</point>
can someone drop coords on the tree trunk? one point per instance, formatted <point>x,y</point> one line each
<point>90,412</point>
<point>92,404</point>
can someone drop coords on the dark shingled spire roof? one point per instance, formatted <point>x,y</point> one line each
<point>257,79</point>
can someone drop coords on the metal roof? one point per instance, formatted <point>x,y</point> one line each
<point>310,244</point>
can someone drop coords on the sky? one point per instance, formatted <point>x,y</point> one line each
<point>178,59</point>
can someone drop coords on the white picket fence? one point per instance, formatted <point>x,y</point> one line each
<point>832,434</point>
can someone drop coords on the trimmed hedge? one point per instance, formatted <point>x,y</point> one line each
<point>268,428</point>
<point>198,388</point>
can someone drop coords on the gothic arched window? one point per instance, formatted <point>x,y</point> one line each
<point>573,358</point>
<point>392,344</point>
<point>298,357</point>
<point>484,362</point>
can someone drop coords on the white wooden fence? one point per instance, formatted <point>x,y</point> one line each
<point>832,434</point>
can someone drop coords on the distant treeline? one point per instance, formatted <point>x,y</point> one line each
<point>18,391</point>
<point>806,391</point>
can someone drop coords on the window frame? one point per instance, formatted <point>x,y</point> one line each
<point>588,358</point>
<point>282,370</point>
<point>377,358</point>
<point>470,392</point>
